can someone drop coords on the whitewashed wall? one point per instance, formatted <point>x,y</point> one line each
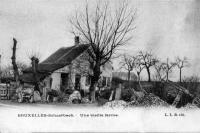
<point>56,77</point>
<point>107,71</point>
<point>80,65</point>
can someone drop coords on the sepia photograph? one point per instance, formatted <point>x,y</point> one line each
<point>99,65</point>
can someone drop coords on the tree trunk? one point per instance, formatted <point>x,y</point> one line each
<point>140,84</point>
<point>167,70</point>
<point>138,76</point>
<point>149,75</point>
<point>118,92</point>
<point>129,75</point>
<point>35,62</point>
<point>0,69</point>
<point>180,74</point>
<point>93,90</point>
<point>15,68</point>
<point>167,75</point>
<point>94,81</point>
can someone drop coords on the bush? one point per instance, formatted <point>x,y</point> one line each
<point>69,91</point>
<point>63,88</point>
<point>185,99</point>
<point>192,84</point>
<point>105,94</point>
<point>76,101</point>
<point>158,89</point>
<point>127,94</point>
<point>102,101</point>
<point>62,97</point>
<point>53,93</point>
<point>14,97</point>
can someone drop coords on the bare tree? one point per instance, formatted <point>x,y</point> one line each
<point>105,30</point>
<point>15,67</point>
<point>138,67</point>
<point>160,71</point>
<point>34,64</point>
<point>147,60</point>
<point>181,63</point>
<point>22,66</point>
<point>7,71</point>
<point>35,59</point>
<point>168,66</point>
<point>128,64</point>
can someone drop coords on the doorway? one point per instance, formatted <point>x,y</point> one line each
<point>64,81</point>
<point>77,81</point>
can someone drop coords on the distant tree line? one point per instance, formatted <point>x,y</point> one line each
<point>144,60</point>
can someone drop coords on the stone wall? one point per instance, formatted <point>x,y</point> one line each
<point>79,66</point>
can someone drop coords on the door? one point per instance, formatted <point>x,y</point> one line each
<point>64,80</point>
<point>77,82</point>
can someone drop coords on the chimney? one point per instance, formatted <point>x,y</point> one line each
<point>76,40</point>
<point>34,63</point>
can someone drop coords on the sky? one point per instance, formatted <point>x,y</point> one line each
<point>168,28</point>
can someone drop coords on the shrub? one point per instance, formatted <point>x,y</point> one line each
<point>127,94</point>
<point>105,94</point>
<point>62,97</point>
<point>192,84</point>
<point>69,91</point>
<point>158,89</point>
<point>53,93</point>
<point>63,88</point>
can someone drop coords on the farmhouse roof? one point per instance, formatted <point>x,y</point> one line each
<point>62,57</point>
<point>59,59</point>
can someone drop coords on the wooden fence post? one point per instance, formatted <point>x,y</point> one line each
<point>118,92</point>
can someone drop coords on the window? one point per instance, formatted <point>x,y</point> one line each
<point>3,92</point>
<point>77,82</point>
<point>104,81</point>
<point>64,79</point>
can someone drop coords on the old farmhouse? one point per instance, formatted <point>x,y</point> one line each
<point>69,68</point>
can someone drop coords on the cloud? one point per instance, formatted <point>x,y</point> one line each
<point>193,18</point>
<point>191,35</point>
<point>168,28</point>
